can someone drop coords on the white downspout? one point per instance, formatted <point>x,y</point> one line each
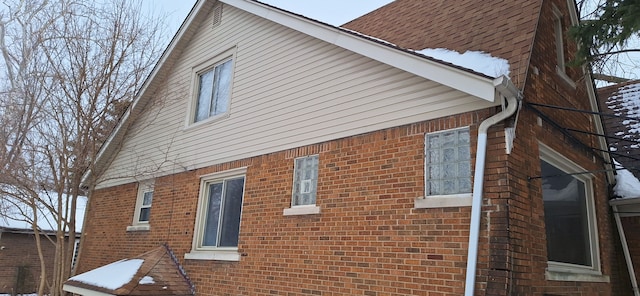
<point>503,86</point>
<point>625,250</point>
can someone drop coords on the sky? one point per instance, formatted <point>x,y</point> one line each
<point>334,12</point>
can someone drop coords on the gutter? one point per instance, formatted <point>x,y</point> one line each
<point>504,87</point>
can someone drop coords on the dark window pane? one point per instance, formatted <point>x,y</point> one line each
<point>213,215</point>
<point>231,217</point>
<point>144,214</point>
<point>566,217</point>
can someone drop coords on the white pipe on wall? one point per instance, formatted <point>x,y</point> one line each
<point>505,87</point>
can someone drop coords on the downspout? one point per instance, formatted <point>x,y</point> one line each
<point>504,87</point>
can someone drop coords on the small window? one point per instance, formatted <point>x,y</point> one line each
<point>214,91</point>
<point>568,214</point>
<point>448,162</point>
<point>559,37</point>
<point>305,180</point>
<point>144,200</point>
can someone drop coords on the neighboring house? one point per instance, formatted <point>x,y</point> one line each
<point>19,259</point>
<point>278,155</point>
<point>621,105</point>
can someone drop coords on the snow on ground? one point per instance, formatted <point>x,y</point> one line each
<point>112,276</point>
<point>627,185</point>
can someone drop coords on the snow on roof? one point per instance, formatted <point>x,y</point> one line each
<point>626,102</point>
<point>112,276</point>
<point>20,216</point>
<point>627,185</point>
<point>478,61</point>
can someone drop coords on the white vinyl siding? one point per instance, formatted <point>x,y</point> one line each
<point>289,90</point>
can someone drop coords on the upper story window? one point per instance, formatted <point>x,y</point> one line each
<point>558,31</point>
<point>559,38</point>
<point>447,162</point>
<point>214,90</point>
<point>217,228</point>
<point>569,215</point>
<point>305,186</point>
<point>142,212</point>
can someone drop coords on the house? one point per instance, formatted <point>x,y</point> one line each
<point>620,104</point>
<point>20,263</point>
<point>278,155</point>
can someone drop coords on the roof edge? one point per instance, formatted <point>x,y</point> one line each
<point>469,82</point>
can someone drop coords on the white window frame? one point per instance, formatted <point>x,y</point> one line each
<point>306,209</point>
<point>558,32</point>
<point>143,187</point>
<point>210,65</point>
<point>462,199</point>
<point>199,252</point>
<point>561,271</point>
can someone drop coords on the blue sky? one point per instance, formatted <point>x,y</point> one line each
<point>335,12</point>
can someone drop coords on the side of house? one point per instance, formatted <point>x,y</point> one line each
<point>319,167</point>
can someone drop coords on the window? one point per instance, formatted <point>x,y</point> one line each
<point>214,90</point>
<point>447,162</point>
<point>143,206</point>
<point>305,180</point>
<point>568,214</point>
<point>305,186</point>
<point>558,31</point>
<point>559,35</point>
<point>218,218</point>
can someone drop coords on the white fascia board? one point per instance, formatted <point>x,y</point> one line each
<point>83,291</point>
<point>624,201</point>
<point>467,82</point>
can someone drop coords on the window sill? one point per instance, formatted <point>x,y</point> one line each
<point>575,276</point>
<point>221,255</point>
<point>443,201</point>
<point>204,122</point>
<point>301,210</point>
<point>565,77</point>
<point>142,227</point>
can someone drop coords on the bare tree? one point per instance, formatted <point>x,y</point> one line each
<point>69,69</point>
<point>609,34</point>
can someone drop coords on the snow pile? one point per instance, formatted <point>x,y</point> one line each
<point>19,215</point>
<point>478,61</point>
<point>112,276</point>
<point>146,280</point>
<point>627,185</point>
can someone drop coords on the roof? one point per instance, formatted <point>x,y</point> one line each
<point>504,29</point>
<point>156,272</point>
<point>623,131</point>
<point>466,80</point>
<point>17,215</point>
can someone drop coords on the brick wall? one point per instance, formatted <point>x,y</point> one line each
<point>368,239</point>
<point>19,252</point>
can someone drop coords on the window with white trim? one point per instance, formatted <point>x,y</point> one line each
<point>559,38</point>
<point>218,217</point>
<point>214,90</point>
<point>144,201</point>
<point>447,162</point>
<point>572,243</point>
